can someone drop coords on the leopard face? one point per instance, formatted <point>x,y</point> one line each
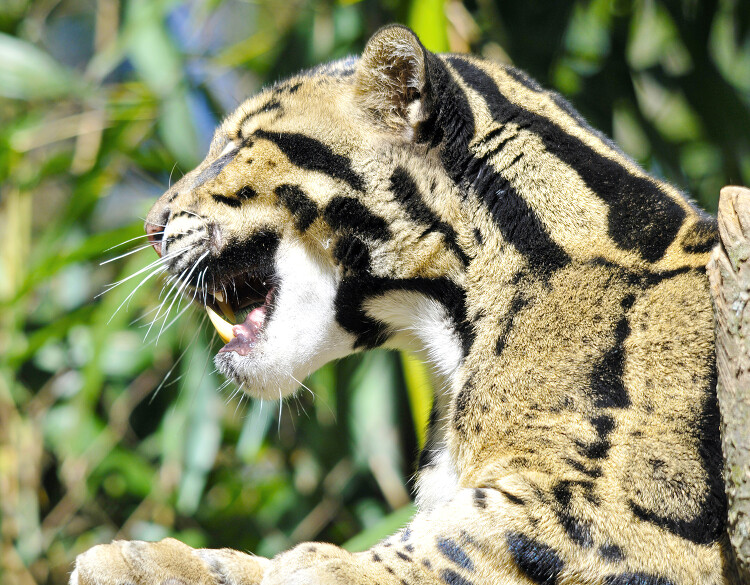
<point>301,203</point>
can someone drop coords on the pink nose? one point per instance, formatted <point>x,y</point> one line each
<point>155,234</point>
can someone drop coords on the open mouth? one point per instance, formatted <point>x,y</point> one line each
<point>245,304</point>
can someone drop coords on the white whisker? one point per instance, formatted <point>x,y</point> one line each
<point>133,251</point>
<point>156,271</point>
<point>303,386</point>
<point>169,182</point>
<point>142,270</point>
<point>178,294</point>
<point>176,363</point>
<point>128,241</point>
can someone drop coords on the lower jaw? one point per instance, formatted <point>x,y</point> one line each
<point>246,334</point>
<point>242,337</point>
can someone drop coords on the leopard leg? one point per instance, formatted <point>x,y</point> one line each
<point>168,562</point>
<point>511,534</point>
<point>467,541</point>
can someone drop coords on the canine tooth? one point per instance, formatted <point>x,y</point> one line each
<point>227,310</point>
<point>224,306</point>
<point>223,328</point>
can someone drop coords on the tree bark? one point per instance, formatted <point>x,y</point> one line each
<point>729,276</point>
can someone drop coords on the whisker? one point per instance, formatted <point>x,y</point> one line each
<point>133,251</point>
<point>143,316</point>
<point>144,269</point>
<point>144,220</point>
<point>156,271</point>
<point>242,396</point>
<point>179,314</point>
<point>169,182</point>
<point>163,383</point>
<point>303,386</point>
<point>128,241</point>
<point>175,284</point>
<point>178,294</point>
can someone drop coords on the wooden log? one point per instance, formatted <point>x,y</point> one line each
<point>729,276</point>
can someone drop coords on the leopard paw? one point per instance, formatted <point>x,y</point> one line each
<point>168,562</point>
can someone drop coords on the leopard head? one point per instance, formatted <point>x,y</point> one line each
<point>319,223</point>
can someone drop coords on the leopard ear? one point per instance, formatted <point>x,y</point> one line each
<point>391,81</point>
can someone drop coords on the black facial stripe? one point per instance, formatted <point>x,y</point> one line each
<point>224,200</point>
<point>641,216</point>
<point>406,192</point>
<point>536,560</point>
<point>269,106</point>
<point>256,254</point>
<point>304,209</point>
<point>511,498</point>
<point>593,471</point>
<point>212,171</point>
<point>513,216</point>
<point>313,155</point>
<point>370,333</point>
<point>480,498</point>
<point>246,192</point>
<point>577,530</point>
<point>347,214</point>
<point>352,253</point>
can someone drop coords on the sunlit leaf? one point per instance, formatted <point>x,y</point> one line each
<point>427,19</point>
<point>419,388</point>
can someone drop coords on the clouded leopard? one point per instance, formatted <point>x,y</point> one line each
<point>450,206</point>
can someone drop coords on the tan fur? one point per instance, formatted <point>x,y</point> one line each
<point>560,476</point>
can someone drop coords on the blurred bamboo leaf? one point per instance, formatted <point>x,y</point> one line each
<point>202,429</point>
<point>27,72</point>
<point>257,422</point>
<point>56,259</point>
<point>374,423</point>
<point>155,56</point>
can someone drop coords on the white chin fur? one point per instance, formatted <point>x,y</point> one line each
<point>301,334</point>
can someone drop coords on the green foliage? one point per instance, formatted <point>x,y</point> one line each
<point>106,431</point>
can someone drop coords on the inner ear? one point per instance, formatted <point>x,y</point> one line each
<point>391,79</point>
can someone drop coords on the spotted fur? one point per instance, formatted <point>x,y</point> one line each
<point>451,206</point>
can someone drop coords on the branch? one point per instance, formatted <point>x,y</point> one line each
<point>729,276</point>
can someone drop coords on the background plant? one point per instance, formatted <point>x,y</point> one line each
<point>102,102</point>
